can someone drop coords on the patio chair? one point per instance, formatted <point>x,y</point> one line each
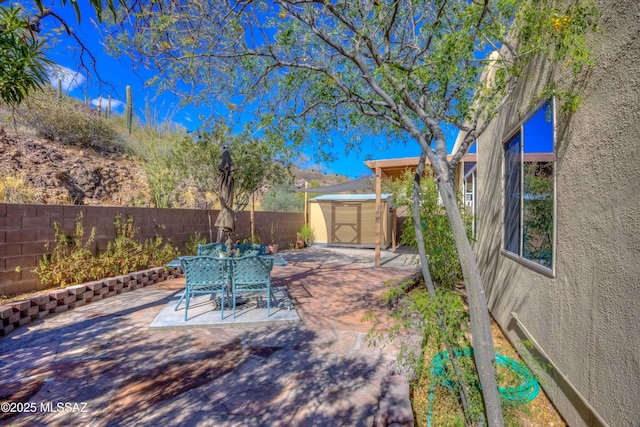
<point>204,275</point>
<point>251,252</point>
<point>262,249</point>
<point>247,249</point>
<point>251,274</point>
<point>212,249</point>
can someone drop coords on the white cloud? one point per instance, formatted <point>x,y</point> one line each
<point>71,79</point>
<point>104,101</point>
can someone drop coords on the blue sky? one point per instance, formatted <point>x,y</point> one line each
<point>119,73</point>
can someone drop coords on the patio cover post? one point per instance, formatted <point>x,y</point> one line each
<point>306,203</point>
<point>378,213</point>
<point>394,229</point>
<point>252,217</point>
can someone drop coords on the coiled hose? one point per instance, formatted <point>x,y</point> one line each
<point>522,394</point>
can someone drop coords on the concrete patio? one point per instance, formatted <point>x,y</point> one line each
<point>104,363</point>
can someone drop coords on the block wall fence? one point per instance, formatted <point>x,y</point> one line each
<point>25,229</point>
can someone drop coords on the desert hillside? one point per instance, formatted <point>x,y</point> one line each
<point>53,173</point>
<point>50,172</point>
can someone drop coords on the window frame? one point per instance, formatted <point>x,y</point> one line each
<point>519,129</point>
<point>473,173</point>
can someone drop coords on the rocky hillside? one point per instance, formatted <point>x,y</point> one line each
<point>57,174</point>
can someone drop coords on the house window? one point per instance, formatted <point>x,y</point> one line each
<point>529,189</point>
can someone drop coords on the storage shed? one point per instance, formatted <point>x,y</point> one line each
<point>350,220</point>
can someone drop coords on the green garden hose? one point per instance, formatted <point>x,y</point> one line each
<point>522,394</point>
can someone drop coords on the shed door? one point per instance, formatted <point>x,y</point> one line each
<point>345,220</point>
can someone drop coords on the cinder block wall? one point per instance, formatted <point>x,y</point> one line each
<point>25,230</point>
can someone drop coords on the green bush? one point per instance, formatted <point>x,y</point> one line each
<point>280,199</point>
<point>444,262</point>
<point>73,261</point>
<point>69,121</point>
<point>307,234</point>
<point>442,319</point>
<point>195,239</point>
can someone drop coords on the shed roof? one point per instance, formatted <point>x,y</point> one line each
<point>350,197</point>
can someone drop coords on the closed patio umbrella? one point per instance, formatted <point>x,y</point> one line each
<point>225,221</point>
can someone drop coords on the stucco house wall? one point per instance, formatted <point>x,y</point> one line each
<point>583,318</point>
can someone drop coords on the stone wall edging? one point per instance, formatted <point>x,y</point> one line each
<point>16,314</point>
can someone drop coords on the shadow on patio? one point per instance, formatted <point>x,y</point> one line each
<point>320,371</point>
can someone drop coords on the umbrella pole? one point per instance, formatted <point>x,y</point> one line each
<point>210,229</point>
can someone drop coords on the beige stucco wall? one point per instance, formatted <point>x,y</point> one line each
<point>586,318</point>
<point>319,220</point>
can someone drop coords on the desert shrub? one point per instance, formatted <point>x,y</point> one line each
<point>444,262</point>
<point>67,120</point>
<point>307,234</point>
<point>195,239</point>
<point>126,254</point>
<point>280,199</point>
<point>154,146</point>
<point>73,261</point>
<point>16,189</point>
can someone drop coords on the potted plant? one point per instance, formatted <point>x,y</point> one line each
<point>306,235</point>
<point>273,247</point>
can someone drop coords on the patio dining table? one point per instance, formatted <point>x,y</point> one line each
<point>277,260</point>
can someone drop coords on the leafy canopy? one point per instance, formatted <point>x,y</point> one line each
<point>22,61</point>
<point>314,69</point>
<point>258,161</point>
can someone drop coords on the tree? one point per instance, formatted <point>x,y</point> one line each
<point>22,62</point>
<point>154,143</point>
<point>281,199</point>
<point>258,161</point>
<point>403,68</point>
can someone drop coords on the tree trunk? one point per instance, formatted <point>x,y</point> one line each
<point>483,349</point>
<point>426,274</point>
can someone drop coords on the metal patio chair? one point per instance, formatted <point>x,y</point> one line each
<point>212,249</point>
<point>204,275</point>
<point>251,274</point>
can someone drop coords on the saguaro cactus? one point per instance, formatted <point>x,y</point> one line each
<point>107,112</point>
<point>128,111</point>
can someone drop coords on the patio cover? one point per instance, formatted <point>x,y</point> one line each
<point>365,183</point>
<point>394,169</point>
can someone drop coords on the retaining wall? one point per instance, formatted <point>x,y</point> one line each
<point>20,313</point>
<point>26,229</point>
